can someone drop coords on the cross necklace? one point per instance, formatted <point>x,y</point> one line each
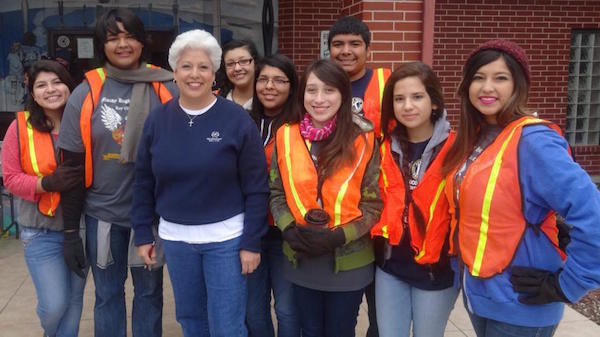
<point>191,118</point>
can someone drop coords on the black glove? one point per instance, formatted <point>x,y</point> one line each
<point>73,253</point>
<point>563,233</point>
<point>63,178</point>
<point>321,240</point>
<point>538,286</point>
<point>294,239</point>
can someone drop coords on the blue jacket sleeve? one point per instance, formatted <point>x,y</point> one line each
<point>252,169</point>
<point>143,204</point>
<point>551,180</point>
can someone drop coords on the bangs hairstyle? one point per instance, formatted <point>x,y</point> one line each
<point>349,25</point>
<point>290,107</point>
<point>337,149</point>
<point>196,39</point>
<point>224,84</point>
<point>37,117</point>
<point>107,24</point>
<point>471,119</point>
<point>432,86</point>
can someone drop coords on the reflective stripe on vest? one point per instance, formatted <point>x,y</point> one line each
<point>341,192</point>
<point>373,97</point>
<point>36,151</point>
<point>428,196</point>
<point>491,222</point>
<point>95,79</point>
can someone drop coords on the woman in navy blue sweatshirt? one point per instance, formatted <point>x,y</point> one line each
<point>201,169</point>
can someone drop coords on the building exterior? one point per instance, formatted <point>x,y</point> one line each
<point>561,37</point>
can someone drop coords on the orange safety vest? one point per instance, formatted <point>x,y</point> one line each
<point>373,97</point>
<point>491,222</point>
<point>95,79</point>
<point>428,195</point>
<point>36,150</point>
<point>341,192</point>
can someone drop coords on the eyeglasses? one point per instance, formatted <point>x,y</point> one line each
<point>277,81</point>
<point>242,63</point>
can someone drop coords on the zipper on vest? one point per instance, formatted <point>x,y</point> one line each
<point>430,272</point>
<point>454,237</point>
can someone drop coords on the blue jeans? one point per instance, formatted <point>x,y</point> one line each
<point>269,275</point>
<point>209,288</point>
<point>399,303</point>
<point>59,291</point>
<point>327,313</point>
<point>486,327</point>
<point>109,309</point>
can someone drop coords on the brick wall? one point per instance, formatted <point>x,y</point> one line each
<point>300,26</point>
<point>541,27</point>
<point>396,28</point>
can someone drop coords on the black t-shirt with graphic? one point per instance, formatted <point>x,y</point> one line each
<point>358,91</point>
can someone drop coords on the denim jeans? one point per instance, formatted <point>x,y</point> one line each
<point>327,313</point>
<point>59,291</point>
<point>209,288</point>
<point>399,303</point>
<point>269,276</point>
<point>109,309</point>
<point>486,327</point>
<point>373,330</point>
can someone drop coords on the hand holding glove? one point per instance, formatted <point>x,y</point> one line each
<point>321,240</point>
<point>73,252</point>
<point>293,238</point>
<point>537,285</point>
<point>63,178</point>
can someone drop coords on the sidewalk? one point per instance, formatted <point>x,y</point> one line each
<point>18,301</point>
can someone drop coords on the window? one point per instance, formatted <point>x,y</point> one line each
<point>583,92</point>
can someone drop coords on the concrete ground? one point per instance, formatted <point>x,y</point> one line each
<point>18,301</point>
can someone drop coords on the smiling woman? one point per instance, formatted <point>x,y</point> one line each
<point>32,174</point>
<point>325,167</point>
<point>201,168</point>
<point>516,277</point>
<point>239,63</point>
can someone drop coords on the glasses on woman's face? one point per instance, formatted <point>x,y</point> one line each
<point>242,63</point>
<point>277,81</point>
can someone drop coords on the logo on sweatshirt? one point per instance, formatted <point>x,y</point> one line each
<point>214,137</point>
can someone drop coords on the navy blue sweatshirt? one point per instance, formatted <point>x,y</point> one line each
<point>201,174</point>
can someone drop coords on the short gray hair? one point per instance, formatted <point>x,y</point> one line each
<point>196,39</point>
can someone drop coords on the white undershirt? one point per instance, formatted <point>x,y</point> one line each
<point>198,112</point>
<point>213,232</point>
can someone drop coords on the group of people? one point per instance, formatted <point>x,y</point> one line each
<point>318,189</point>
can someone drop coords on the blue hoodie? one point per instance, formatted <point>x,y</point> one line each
<point>549,180</point>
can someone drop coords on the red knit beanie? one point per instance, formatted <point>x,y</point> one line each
<point>509,48</point>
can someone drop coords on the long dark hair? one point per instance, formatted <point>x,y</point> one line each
<point>286,65</point>
<point>223,82</point>
<point>107,23</point>
<point>471,119</point>
<point>37,116</point>
<point>337,149</point>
